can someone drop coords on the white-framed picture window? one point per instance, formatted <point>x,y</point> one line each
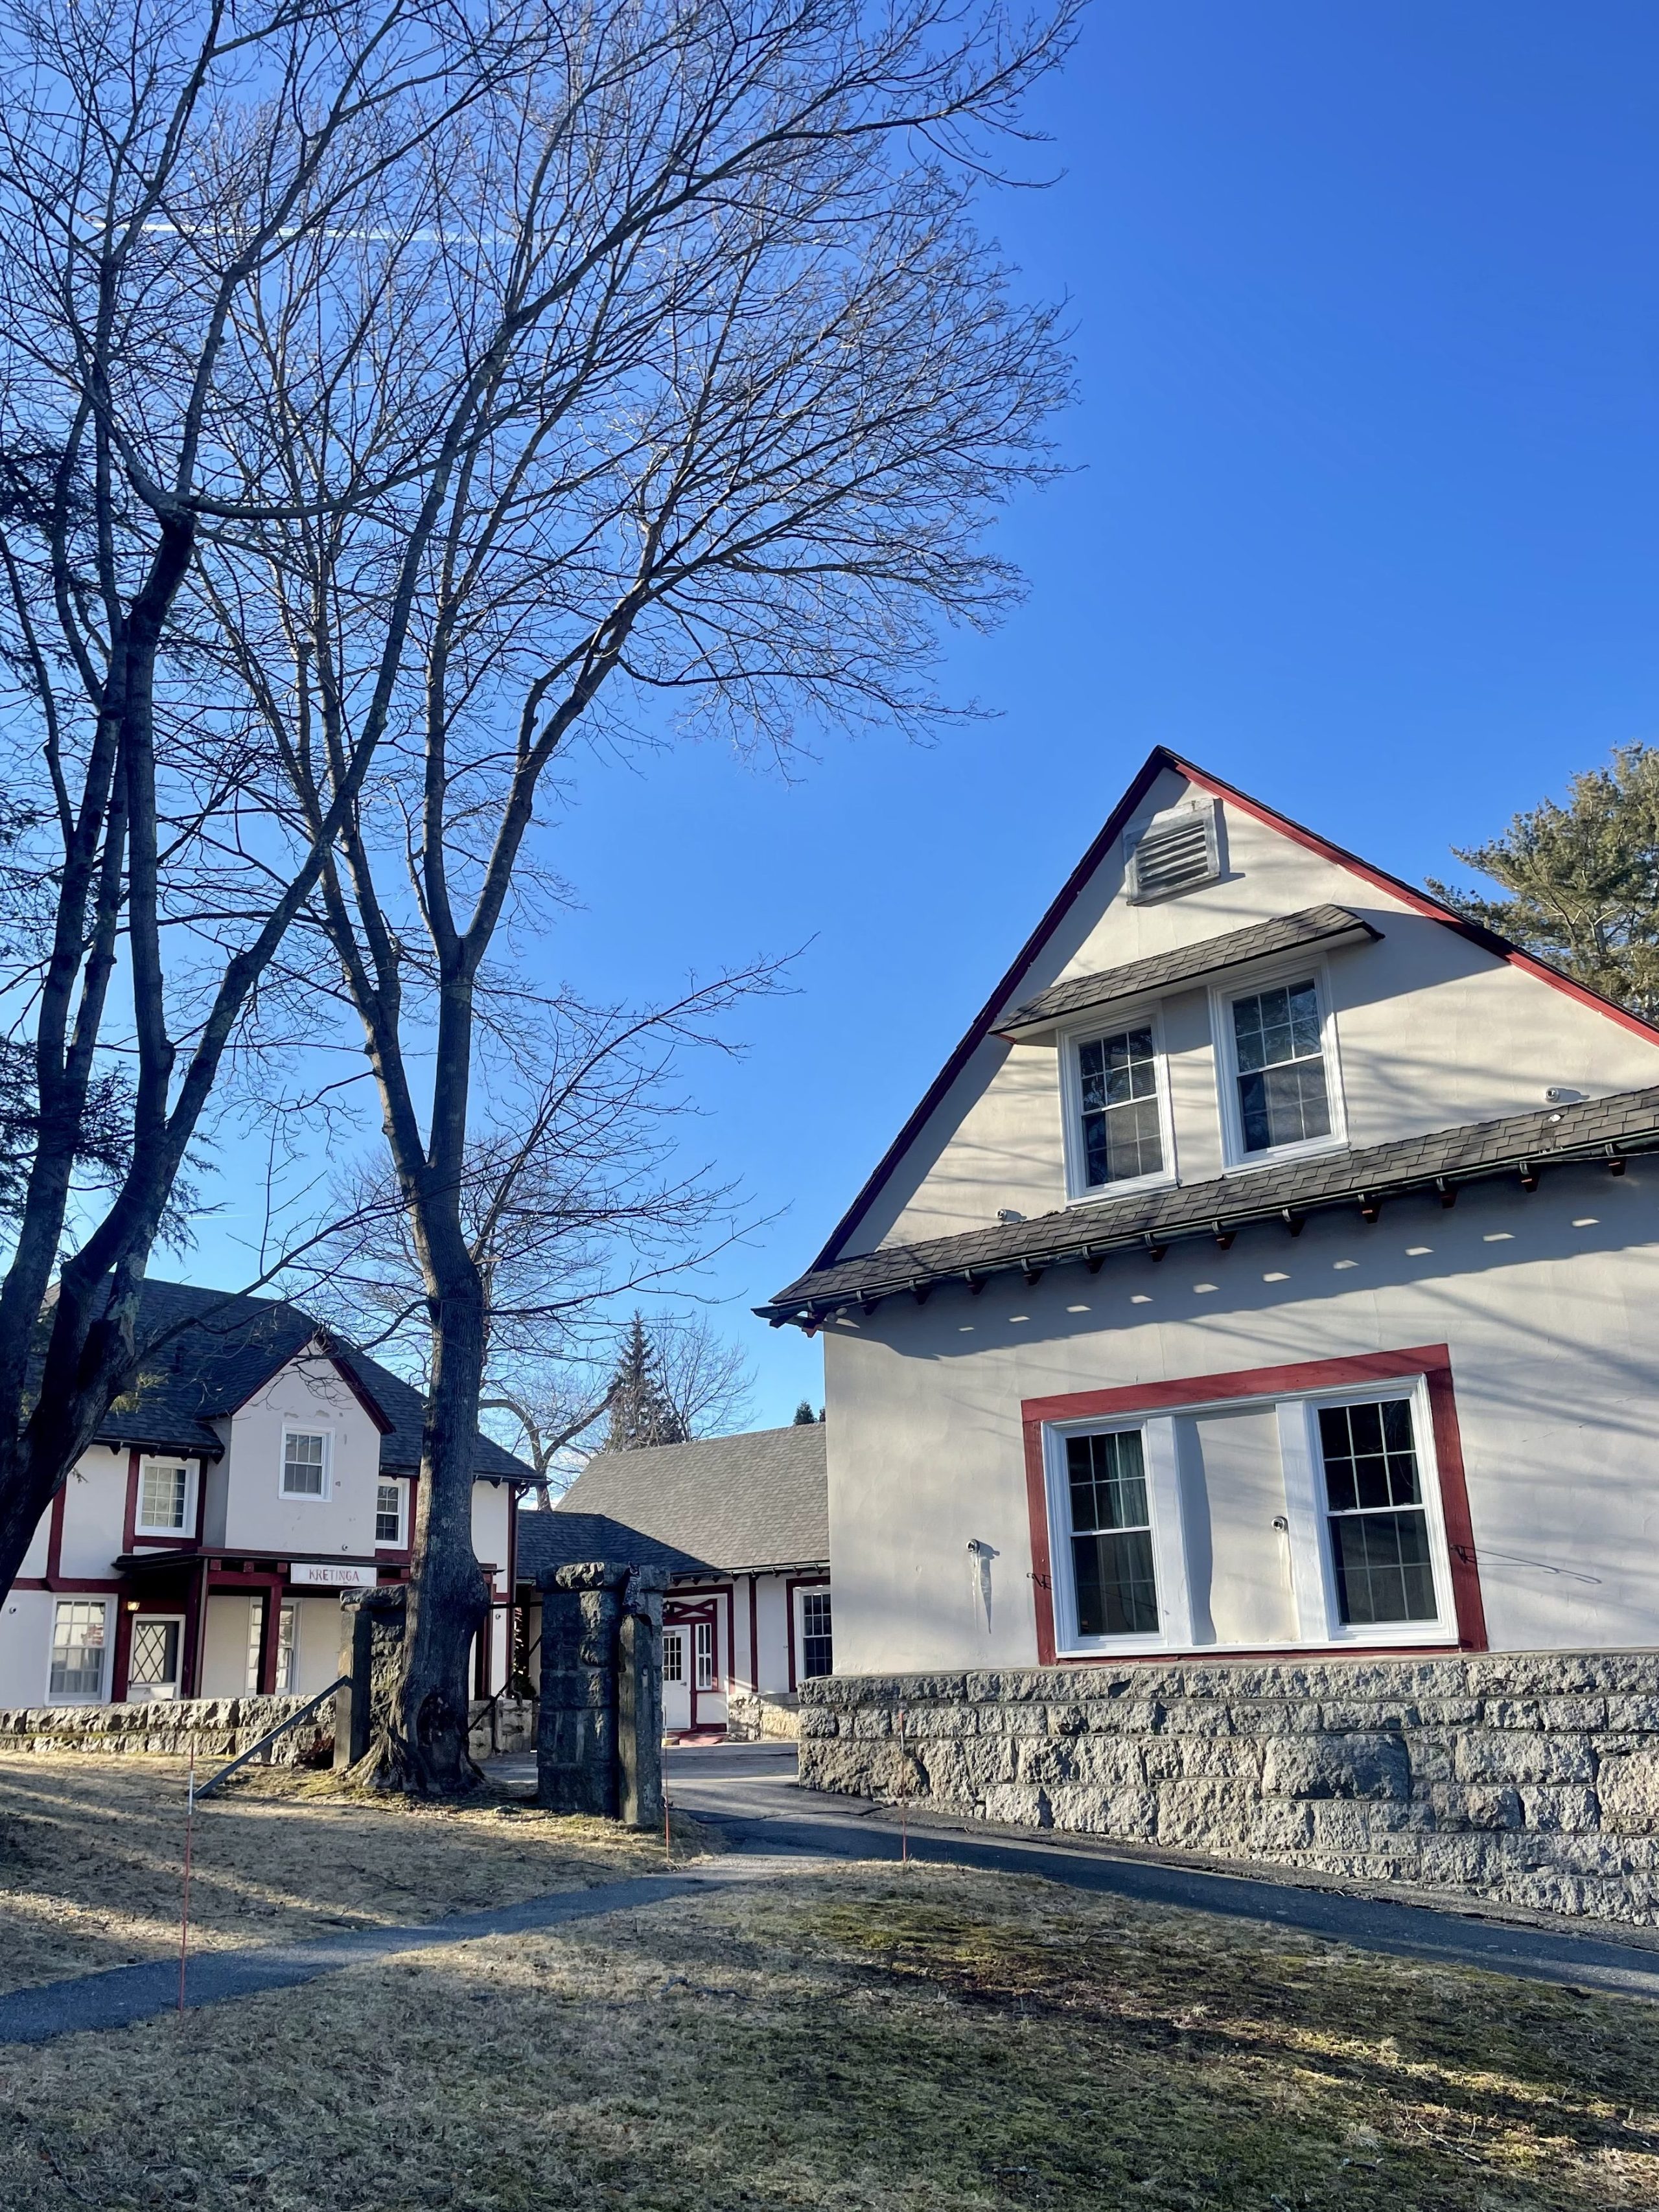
<point>167,1497</point>
<point>1148,1520</point>
<point>391,1514</point>
<point>305,1463</point>
<point>1275,1043</point>
<point>79,1649</point>
<point>815,1643</point>
<point>1116,1101</point>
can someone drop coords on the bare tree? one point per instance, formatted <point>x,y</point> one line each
<point>736,385</point>
<point>171,174</point>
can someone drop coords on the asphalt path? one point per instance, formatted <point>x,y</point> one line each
<point>750,1792</point>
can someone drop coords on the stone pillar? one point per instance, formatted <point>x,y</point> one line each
<point>576,1764</point>
<point>371,1651</point>
<point>639,1700</point>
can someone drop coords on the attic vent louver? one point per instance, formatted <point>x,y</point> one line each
<point>1174,854</point>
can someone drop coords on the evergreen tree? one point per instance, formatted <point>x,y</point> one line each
<point>805,1416</point>
<point>1582,880</point>
<point>642,1411</point>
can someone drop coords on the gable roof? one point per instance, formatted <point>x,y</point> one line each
<point>217,1349</point>
<point>1157,763</point>
<point>725,1505</point>
<point>1594,1129</point>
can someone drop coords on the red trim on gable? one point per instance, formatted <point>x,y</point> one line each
<point>1161,758</point>
<point>1432,1361</point>
<point>1152,768</point>
<point>1423,902</point>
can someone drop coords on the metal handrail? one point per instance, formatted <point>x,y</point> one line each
<point>340,1682</point>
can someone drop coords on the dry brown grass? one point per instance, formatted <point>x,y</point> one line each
<point>91,1855</point>
<point>830,2042</point>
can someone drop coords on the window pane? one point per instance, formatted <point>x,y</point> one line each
<point>286,1652</point>
<point>1382,1568</point>
<point>389,1513</point>
<point>1121,1137</point>
<point>1282,1097</point>
<point>154,1664</point>
<point>703,1634</point>
<point>162,1492</point>
<point>817,1650</point>
<point>302,1466</point>
<point>673,1656</point>
<point>77,1649</point>
<point>1116,1593</point>
<point>1380,1551</point>
<point>1108,1480</point>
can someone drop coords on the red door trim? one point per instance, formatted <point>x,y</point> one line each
<point>1432,1361</point>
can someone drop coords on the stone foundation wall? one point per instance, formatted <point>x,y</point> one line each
<point>754,1715</point>
<point>1531,1778</point>
<point>214,1728</point>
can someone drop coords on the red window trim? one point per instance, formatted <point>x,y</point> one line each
<point>1432,1361</point>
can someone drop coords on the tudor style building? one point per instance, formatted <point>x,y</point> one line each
<point>258,1467</point>
<point>738,1525</point>
<point>1270,1270</point>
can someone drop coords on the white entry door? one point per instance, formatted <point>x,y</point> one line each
<point>158,1642</point>
<point>676,1680</point>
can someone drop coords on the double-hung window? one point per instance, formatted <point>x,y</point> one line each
<point>1114,1580</point>
<point>703,1639</point>
<point>389,1513</point>
<point>818,1651</point>
<point>164,1498</point>
<point>304,1464</point>
<point>1116,1110</point>
<point>1278,1072</point>
<point>78,1648</point>
<point>1246,1521</point>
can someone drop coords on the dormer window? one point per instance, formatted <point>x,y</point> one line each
<point>1117,1132</point>
<point>1280,1090</point>
<point>1175,853</point>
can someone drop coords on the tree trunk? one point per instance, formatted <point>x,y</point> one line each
<point>426,1753</point>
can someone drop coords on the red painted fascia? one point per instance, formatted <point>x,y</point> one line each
<point>1160,759</point>
<point>1432,1361</point>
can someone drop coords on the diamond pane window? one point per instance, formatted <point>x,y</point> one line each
<point>1121,1137</point>
<point>154,1664</point>
<point>162,1494</point>
<point>1282,1094</point>
<point>1379,1523</point>
<point>1111,1536</point>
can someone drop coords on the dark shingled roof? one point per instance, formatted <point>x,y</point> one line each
<point>216,1350</point>
<point>1186,964</point>
<point>1594,1128</point>
<point>561,1538</point>
<point>724,1505</point>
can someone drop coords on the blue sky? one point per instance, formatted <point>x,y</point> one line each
<point>1364,516</point>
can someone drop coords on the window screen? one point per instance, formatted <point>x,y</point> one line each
<point>1120,1132</point>
<point>162,1492</point>
<point>817,1648</point>
<point>1282,1098</point>
<point>1378,1522</point>
<point>302,1466</point>
<point>1111,1536</point>
<point>78,1648</point>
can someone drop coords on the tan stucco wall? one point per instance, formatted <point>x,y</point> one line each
<point>1555,1360</point>
<point>1431,1032</point>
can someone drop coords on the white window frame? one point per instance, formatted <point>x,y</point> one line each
<point>705,1647</point>
<point>677,1630</point>
<point>1135,1014</point>
<point>802,1591</point>
<point>1313,1569</point>
<point>187,1526</point>
<point>101,1695</point>
<point>1246,983</point>
<point>306,1496</point>
<point>400,1484</point>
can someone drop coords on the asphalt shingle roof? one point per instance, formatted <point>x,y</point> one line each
<point>215,1352</point>
<point>1627,1122</point>
<point>725,1504</point>
<point>1186,964</point>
